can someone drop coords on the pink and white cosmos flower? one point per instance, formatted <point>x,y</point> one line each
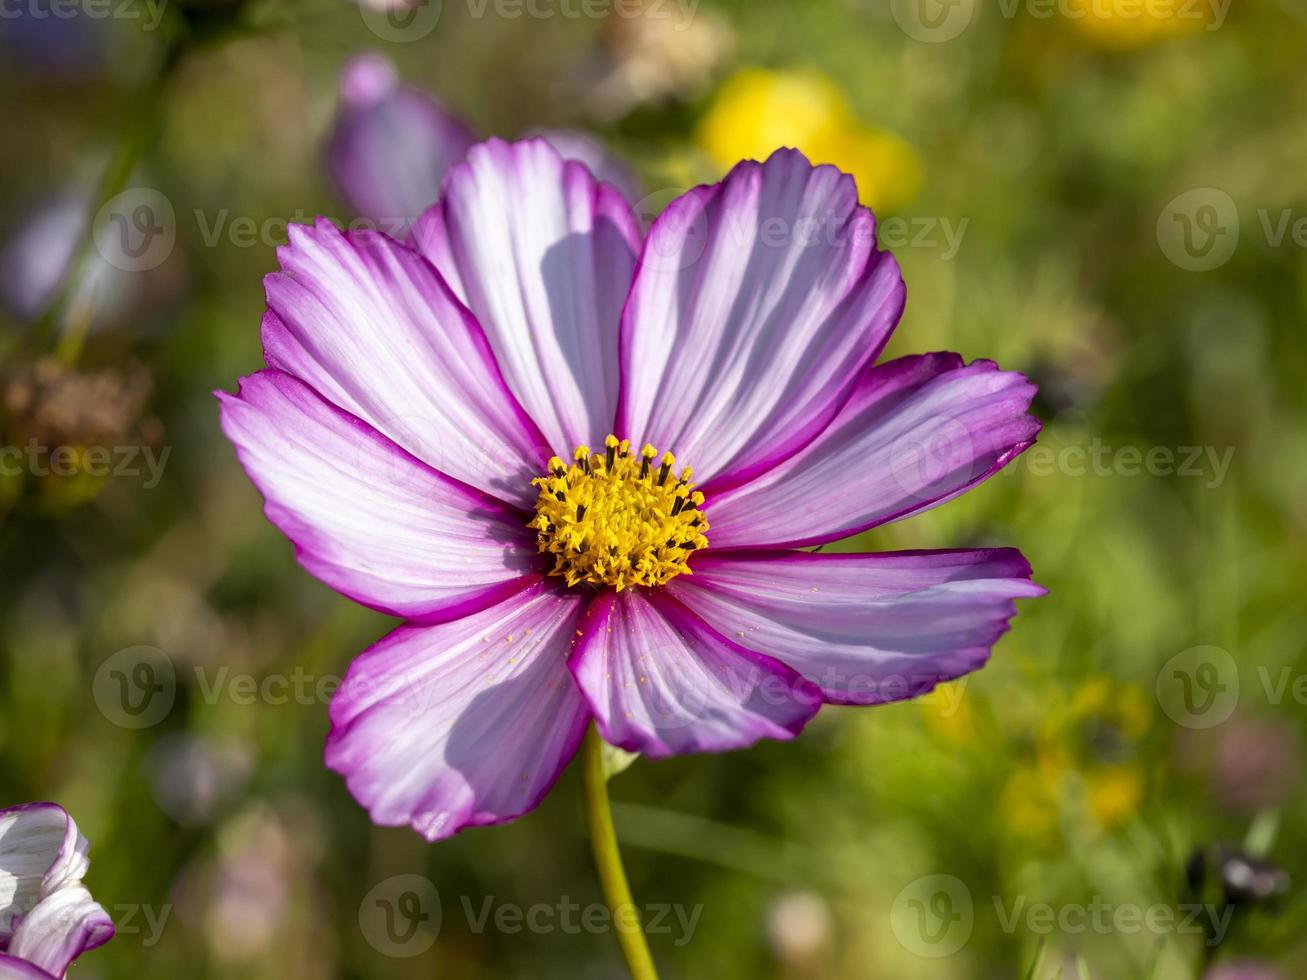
<point>47,917</point>
<point>422,434</point>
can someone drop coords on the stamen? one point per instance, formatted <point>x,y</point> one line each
<point>668,462</point>
<point>610,522</point>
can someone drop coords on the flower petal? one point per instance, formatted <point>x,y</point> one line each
<point>542,254</point>
<point>865,628</point>
<point>661,682</point>
<point>41,850</point>
<point>758,303</point>
<point>368,323</point>
<point>391,144</point>
<point>61,927</point>
<point>917,432</point>
<point>367,518</point>
<point>462,724</point>
<point>576,144</point>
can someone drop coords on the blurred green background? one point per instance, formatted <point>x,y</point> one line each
<point>1109,195</point>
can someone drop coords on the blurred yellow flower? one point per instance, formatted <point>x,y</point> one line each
<point>1114,793</point>
<point>1102,699</point>
<point>1132,23</point>
<point>1085,767</point>
<point>1054,790</point>
<point>1030,802</point>
<point>756,111</point>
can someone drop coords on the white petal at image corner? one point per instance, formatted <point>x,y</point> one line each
<point>47,916</point>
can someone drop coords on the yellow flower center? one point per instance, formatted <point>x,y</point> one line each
<point>618,520</point>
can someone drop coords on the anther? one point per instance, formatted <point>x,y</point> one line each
<point>668,462</point>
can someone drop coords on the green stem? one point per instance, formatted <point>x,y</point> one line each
<point>608,860</point>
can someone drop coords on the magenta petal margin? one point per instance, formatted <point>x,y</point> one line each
<point>414,389</point>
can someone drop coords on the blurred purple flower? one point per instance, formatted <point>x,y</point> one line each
<point>409,432</point>
<point>45,248</point>
<point>192,775</point>
<point>37,255</point>
<point>55,45</point>
<point>47,917</point>
<point>249,901</point>
<point>392,144</point>
<point>1244,970</point>
<point>1248,764</point>
<point>1257,763</point>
